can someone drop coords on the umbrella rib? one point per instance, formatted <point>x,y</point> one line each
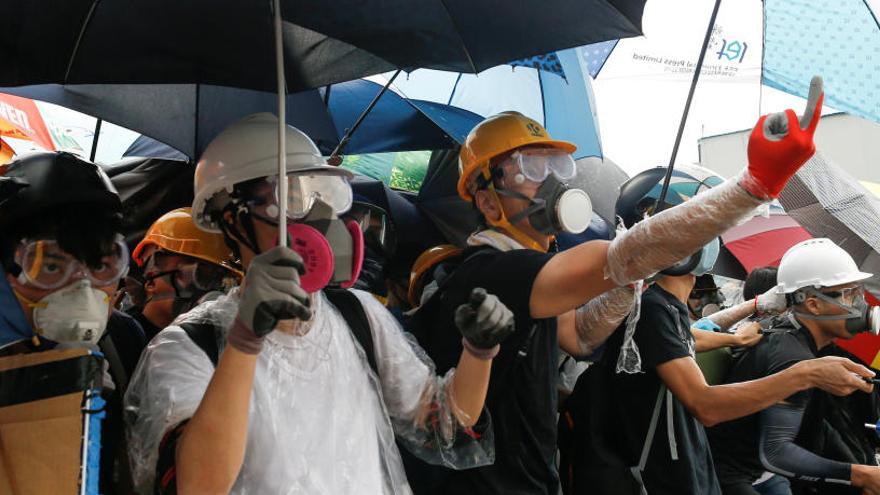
<point>458,34</point>
<point>82,32</point>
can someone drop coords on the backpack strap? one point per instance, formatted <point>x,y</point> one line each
<point>353,311</point>
<point>469,255</point>
<point>649,440</point>
<point>205,336</point>
<point>117,370</point>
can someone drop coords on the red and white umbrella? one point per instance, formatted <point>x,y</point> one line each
<point>762,240</point>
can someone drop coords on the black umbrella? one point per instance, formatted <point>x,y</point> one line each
<point>188,116</point>
<point>148,188</point>
<point>230,43</point>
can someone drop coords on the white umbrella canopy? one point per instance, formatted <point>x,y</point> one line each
<point>641,90</point>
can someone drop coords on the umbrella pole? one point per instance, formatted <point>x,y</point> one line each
<point>658,206</point>
<point>282,124</point>
<point>357,123</point>
<point>95,140</point>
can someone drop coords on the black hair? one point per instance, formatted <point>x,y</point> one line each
<point>759,281</point>
<point>242,193</point>
<point>83,230</point>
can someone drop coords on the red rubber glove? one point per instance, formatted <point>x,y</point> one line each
<point>779,145</point>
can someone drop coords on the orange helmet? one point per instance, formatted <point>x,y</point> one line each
<point>176,232</point>
<point>495,136</point>
<point>423,264</point>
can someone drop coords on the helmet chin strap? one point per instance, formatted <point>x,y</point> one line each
<point>503,223</point>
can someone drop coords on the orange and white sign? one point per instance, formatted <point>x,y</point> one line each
<point>20,119</point>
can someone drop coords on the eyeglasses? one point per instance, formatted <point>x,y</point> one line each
<point>199,274</point>
<point>45,265</point>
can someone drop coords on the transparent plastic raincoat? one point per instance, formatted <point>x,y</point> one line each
<point>320,420</point>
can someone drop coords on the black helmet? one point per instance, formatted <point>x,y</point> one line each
<point>635,203</point>
<point>60,195</point>
<point>45,181</point>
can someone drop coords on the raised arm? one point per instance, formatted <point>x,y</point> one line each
<point>212,446</point>
<point>583,330</point>
<point>770,302</point>
<point>778,146</point>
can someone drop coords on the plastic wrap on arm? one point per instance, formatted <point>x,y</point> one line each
<point>629,360</point>
<point>419,403</point>
<point>674,234</point>
<point>726,318</point>
<point>165,390</point>
<point>597,320</point>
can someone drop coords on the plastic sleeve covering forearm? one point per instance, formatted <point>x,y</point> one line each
<point>597,320</point>
<point>726,318</point>
<point>420,404</point>
<point>674,234</point>
<point>778,453</point>
<point>435,434</point>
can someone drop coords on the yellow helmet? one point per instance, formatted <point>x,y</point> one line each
<point>425,262</point>
<point>495,136</point>
<point>176,232</point>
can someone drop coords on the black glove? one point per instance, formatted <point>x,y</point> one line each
<point>484,321</point>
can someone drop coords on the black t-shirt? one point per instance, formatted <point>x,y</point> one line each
<point>522,389</point>
<point>735,443</point>
<point>619,407</point>
<point>150,330</point>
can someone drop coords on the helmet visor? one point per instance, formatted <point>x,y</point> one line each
<point>46,266</point>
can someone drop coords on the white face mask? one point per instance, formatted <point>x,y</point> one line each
<point>76,313</point>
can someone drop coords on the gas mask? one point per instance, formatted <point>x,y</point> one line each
<point>190,281</point>
<point>76,313</point>
<point>332,249</point>
<point>859,317</point>
<point>555,208</point>
<point>709,301</point>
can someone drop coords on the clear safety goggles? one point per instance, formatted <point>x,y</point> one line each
<point>45,265</point>
<point>190,273</point>
<point>377,227</point>
<point>847,295</point>
<point>536,164</point>
<point>305,188</point>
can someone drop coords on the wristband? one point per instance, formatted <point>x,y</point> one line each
<point>482,354</point>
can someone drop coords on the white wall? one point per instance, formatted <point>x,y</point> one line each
<point>851,142</point>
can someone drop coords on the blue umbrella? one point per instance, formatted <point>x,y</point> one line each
<point>553,89</point>
<point>187,116</point>
<point>838,39</point>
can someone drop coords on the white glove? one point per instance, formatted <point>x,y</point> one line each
<point>771,302</point>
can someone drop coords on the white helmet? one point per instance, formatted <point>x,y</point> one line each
<point>817,263</point>
<point>246,150</point>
